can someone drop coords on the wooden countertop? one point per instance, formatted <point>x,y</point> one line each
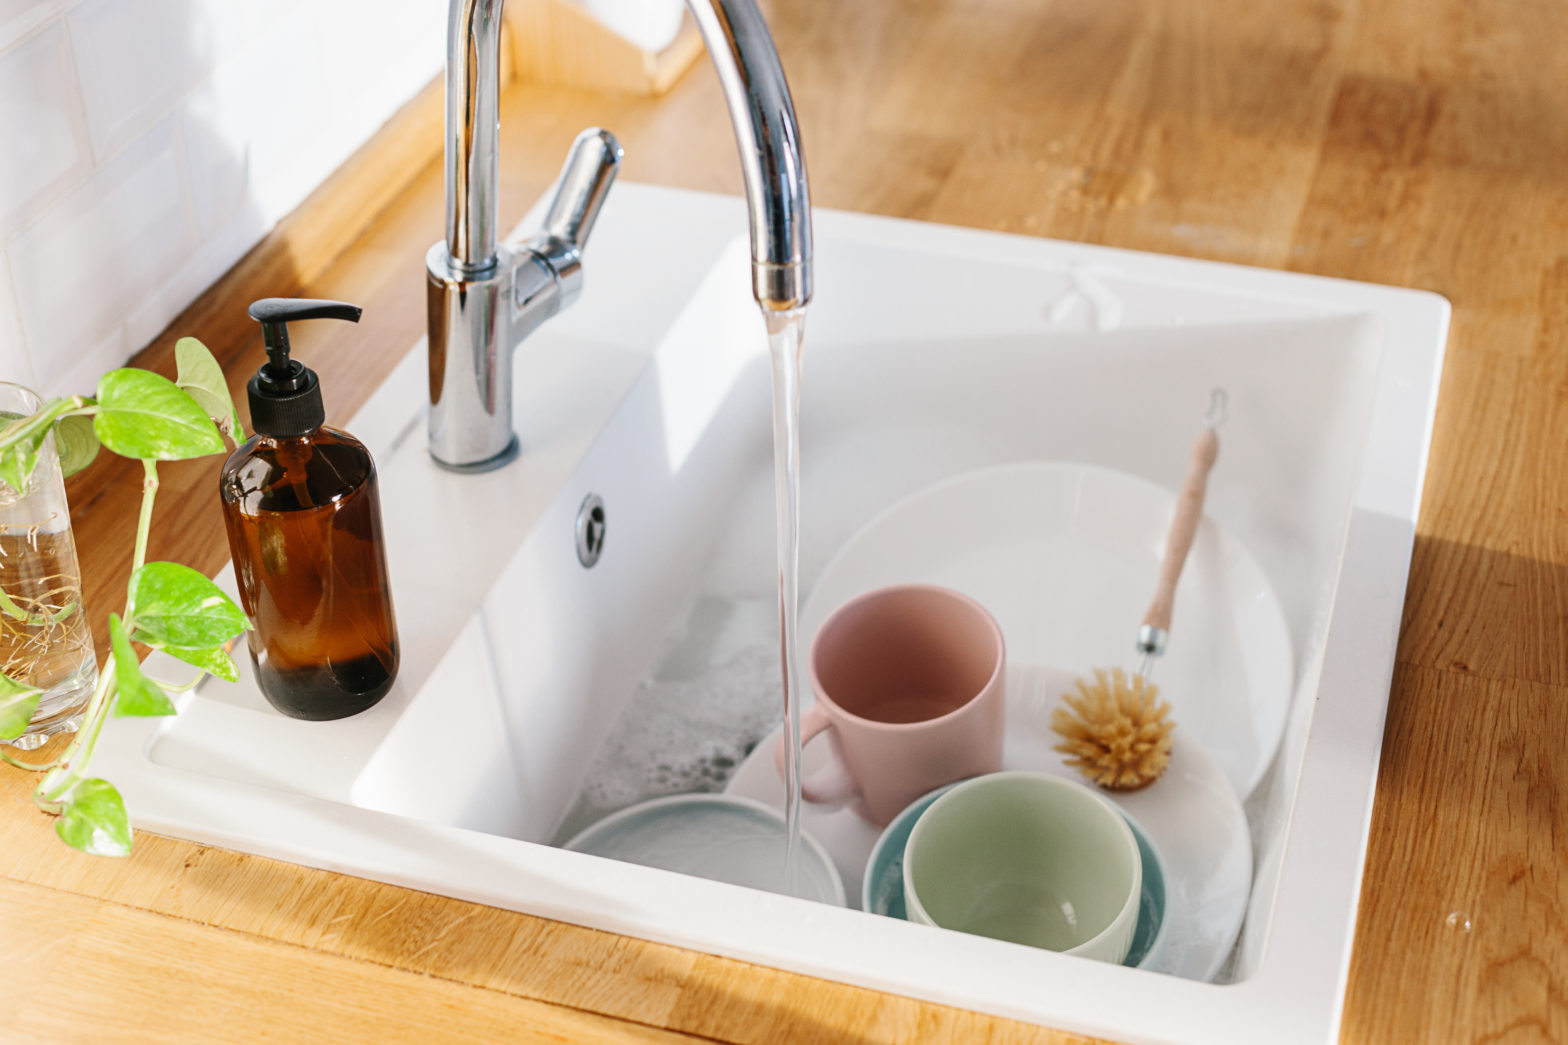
<point>1415,142</point>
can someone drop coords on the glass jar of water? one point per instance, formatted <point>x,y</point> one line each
<point>45,641</point>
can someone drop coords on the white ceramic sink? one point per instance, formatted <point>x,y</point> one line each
<point>930,351</point>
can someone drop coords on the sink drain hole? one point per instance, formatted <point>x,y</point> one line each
<point>590,530</point>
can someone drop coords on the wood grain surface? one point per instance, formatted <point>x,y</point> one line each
<point>1414,142</point>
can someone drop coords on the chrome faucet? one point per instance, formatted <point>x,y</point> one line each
<point>486,296</point>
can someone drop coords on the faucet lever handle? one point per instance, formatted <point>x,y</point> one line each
<point>586,176</point>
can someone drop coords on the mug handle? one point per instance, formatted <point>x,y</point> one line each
<point>830,786</point>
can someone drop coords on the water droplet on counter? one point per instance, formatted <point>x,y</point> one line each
<point>1458,921</point>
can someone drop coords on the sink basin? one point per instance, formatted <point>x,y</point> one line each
<point>930,352</point>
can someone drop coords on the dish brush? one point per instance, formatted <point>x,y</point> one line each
<point>1115,728</point>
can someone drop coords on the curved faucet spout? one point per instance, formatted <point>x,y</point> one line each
<point>473,131</point>
<point>766,134</point>
<point>485,296</point>
<point>768,137</point>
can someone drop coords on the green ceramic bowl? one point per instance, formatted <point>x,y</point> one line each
<point>882,891</point>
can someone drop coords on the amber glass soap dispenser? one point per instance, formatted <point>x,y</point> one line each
<point>304,523</point>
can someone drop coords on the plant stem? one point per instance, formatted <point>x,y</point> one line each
<point>144,523</point>
<point>35,620</point>
<point>46,415</point>
<point>31,767</point>
<point>94,726</point>
<point>66,770</point>
<point>143,527</point>
<point>15,612</point>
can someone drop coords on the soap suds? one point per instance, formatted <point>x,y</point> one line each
<point>695,719</point>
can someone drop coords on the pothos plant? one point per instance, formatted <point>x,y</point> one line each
<point>168,606</point>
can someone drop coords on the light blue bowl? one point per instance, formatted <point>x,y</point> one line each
<point>724,838</point>
<point>883,889</point>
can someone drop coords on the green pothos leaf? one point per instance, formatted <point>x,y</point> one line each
<point>214,660</point>
<point>18,701</point>
<point>94,819</point>
<point>139,696</point>
<point>22,437</point>
<point>178,606</point>
<point>200,376</point>
<point>146,416</point>
<point>18,458</point>
<point>76,442</point>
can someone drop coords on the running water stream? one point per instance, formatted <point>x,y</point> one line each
<point>785,340</point>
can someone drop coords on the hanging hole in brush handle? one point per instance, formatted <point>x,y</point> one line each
<point>1218,411</point>
<point>830,786</point>
<point>1184,527</point>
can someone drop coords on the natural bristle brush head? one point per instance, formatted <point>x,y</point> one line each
<point>1115,730</point>
<point>1117,733</point>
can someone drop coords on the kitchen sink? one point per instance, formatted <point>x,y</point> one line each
<point>930,352</point>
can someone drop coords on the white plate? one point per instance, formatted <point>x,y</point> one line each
<point>1191,814</point>
<point>1065,557</point>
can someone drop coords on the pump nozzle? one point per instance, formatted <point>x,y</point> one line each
<point>285,397</point>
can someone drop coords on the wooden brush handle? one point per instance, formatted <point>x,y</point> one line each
<point>1189,509</point>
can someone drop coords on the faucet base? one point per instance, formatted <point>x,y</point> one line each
<point>489,464</point>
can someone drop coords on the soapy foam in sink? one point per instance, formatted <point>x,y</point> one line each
<point>714,696</point>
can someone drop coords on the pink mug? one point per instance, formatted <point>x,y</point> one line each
<point>911,682</point>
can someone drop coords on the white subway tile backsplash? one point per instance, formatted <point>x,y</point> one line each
<point>15,365</point>
<point>364,32</point>
<point>216,161</point>
<point>45,141</point>
<point>204,267</point>
<point>279,109</point>
<point>138,58</point>
<point>97,254</point>
<point>80,374</point>
<point>20,17</point>
<point>147,145</point>
<point>224,28</point>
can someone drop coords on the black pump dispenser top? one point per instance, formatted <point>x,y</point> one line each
<point>285,396</point>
